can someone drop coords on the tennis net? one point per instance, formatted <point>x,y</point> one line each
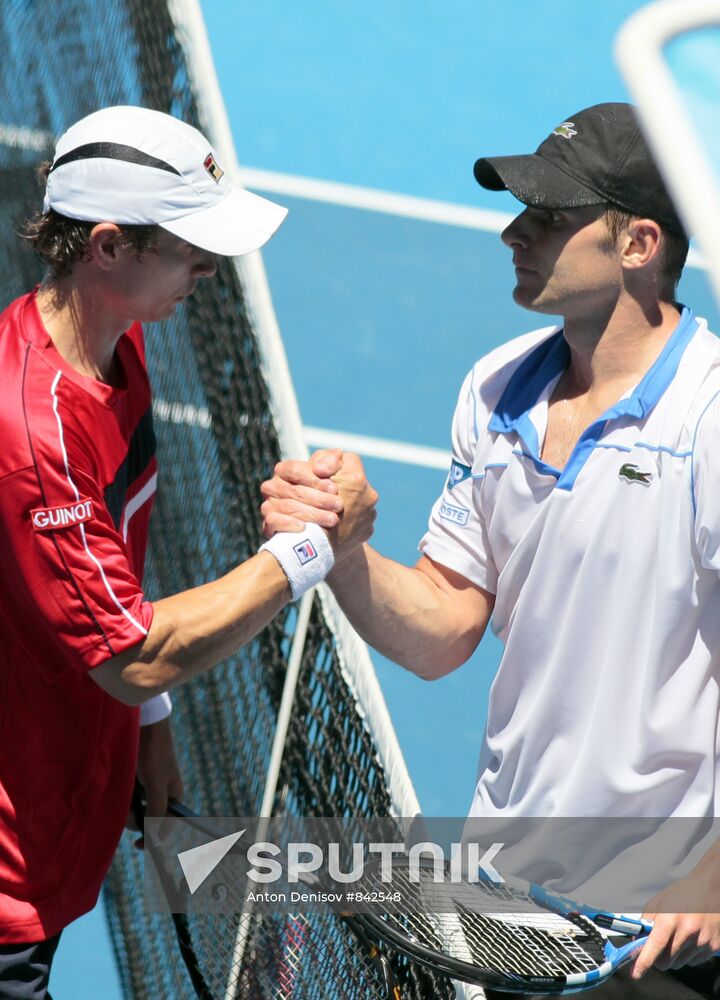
<point>224,413</point>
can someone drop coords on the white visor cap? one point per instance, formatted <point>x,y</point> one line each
<point>140,167</point>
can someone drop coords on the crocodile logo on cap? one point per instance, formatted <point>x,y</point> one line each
<point>567,130</point>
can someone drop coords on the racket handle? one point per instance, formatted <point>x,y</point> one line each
<point>138,805</point>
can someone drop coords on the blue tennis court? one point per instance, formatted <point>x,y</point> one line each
<point>384,303</point>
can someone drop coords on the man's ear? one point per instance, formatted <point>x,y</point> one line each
<point>641,244</point>
<point>104,244</point>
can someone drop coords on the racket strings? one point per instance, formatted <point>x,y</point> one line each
<point>587,927</point>
<point>293,944</point>
<point>501,946</point>
<point>491,926</point>
<point>525,949</point>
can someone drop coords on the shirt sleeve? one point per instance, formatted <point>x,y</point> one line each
<point>64,571</point>
<point>705,485</point>
<point>457,536</point>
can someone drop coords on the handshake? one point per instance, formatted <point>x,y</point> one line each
<point>330,490</point>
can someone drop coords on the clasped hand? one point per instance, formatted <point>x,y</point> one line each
<point>331,490</point>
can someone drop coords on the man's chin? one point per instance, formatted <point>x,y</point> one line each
<point>535,303</point>
<point>159,314</point>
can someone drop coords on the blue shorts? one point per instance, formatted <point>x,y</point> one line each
<point>25,969</point>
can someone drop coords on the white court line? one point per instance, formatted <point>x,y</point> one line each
<point>372,447</point>
<point>373,200</point>
<point>182,413</point>
<point>22,137</point>
<point>319,437</point>
<point>391,203</point>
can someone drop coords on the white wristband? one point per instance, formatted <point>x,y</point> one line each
<point>155,709</point>
<point>306,557</point>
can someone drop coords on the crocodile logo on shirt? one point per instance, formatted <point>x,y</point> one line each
<point>632,474</point>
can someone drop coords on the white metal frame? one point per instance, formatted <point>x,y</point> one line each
<point>639,49</point>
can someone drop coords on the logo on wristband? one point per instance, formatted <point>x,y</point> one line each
<point>305,551</point>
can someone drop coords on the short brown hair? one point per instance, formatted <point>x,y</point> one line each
<point>61,242</point>
<point>674,250</point>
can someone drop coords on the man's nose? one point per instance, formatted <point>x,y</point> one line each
<point>519,231</point>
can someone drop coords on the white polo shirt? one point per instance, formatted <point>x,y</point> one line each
<point>607,697</point>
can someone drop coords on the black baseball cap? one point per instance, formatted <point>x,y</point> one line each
<point>598,155</point>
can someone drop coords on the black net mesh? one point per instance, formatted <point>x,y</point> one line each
<point>216,443</point>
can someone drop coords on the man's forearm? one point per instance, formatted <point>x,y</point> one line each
<point>196,629</point>
<point>427,618</point>
<point>193,631</point>
<point>424,618</point>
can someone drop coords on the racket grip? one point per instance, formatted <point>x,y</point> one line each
<point>138,805</point>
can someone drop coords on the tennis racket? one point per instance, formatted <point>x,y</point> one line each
<point>514,937</point>
<point>170,888</point>
<point>318,956</point>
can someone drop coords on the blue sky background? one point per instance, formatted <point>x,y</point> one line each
<point>382,316</point>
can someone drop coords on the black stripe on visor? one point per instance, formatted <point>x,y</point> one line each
<point>113,151</point>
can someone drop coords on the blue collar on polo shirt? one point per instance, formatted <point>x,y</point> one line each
<point>548,361</point>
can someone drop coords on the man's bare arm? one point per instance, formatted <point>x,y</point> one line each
<point>198,628</point>
<point>427,617</point>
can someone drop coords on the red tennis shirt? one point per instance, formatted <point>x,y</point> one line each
<point>77,477</point>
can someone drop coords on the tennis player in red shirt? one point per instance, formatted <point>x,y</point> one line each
<point>136,207</point>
